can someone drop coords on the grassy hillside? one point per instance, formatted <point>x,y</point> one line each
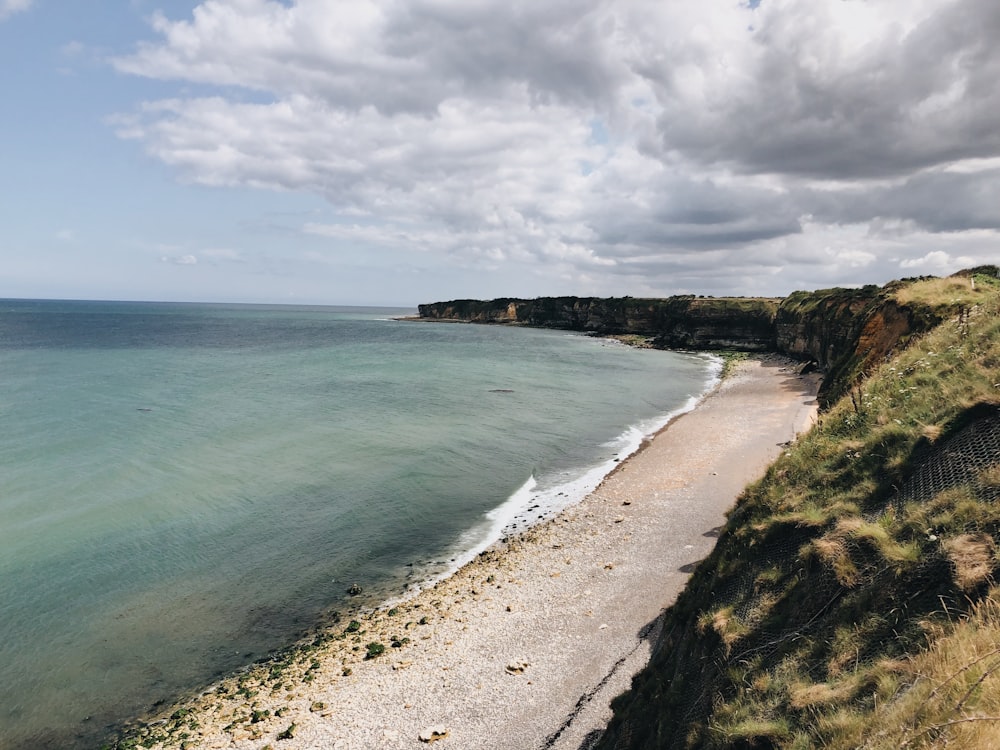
<point>850,601</point>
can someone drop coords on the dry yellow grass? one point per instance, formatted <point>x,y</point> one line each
<point>949,695</point>
<point>990,477</point>
<point>832,550</point>
<point>821,694</point>
<point>973,557</point>
<point>728,627</point>
<point>949,291</point>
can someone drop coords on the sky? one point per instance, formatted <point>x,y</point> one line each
<point>392,152</point>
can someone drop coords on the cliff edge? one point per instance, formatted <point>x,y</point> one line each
<point>851,600</point>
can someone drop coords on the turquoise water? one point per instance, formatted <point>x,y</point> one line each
<point>185,488</point>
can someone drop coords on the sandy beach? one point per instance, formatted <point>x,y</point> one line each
<point>525,646</point>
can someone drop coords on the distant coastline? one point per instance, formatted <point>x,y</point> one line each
<point>844,333</point>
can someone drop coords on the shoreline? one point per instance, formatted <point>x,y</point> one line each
<point>525,644</point>
<point>529,506</point>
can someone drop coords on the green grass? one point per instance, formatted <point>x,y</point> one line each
<point>731,360</point>
<point>828,617</point>
<point>954,292</point>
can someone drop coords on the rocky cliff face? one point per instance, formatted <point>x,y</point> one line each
<point>675,322</point>
<point>472,311</point>
<point>846,332</point>
<point>822,325</point>
<point>849,332</point>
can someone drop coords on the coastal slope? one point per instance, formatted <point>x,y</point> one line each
<point>851,600</point>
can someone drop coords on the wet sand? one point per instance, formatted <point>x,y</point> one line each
<point>525,646</point>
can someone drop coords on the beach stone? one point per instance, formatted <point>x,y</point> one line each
<point>516,667</point>
<point>354,590</point>
<point>433,734</point>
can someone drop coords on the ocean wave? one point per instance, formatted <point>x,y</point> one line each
<point>537,500</point>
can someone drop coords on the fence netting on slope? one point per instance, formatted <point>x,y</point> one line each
<point>964,460</point>
<point>768,622</point>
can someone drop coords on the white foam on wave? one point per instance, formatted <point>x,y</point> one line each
<point>536,501</point>
<point>533,501</point>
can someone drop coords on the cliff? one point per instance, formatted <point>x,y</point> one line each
<point>684,322</point>
<point>849,332</point>
<point>851,599</point>
<point>845,332</point>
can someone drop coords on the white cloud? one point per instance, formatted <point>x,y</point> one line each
<point>692,141</point>
<point>180,260</point>
<point>835,89</point>
<point>939,261</point>
<point>10,7</point>
<point>73,49</point>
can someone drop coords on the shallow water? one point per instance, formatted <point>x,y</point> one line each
<point>185,488</point>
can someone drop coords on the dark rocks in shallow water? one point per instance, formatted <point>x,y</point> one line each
<point>354,590</point>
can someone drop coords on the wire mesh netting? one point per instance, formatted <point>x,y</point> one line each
<point>769,621</point>
<point>963,460</point>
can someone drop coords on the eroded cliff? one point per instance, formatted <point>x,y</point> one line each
<point>851,600</point>
<point>846,332</point>
<point>682,322</point>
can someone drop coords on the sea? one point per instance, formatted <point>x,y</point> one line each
<point>187,488</point>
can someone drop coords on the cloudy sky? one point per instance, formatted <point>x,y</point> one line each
<point>404,151</point>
